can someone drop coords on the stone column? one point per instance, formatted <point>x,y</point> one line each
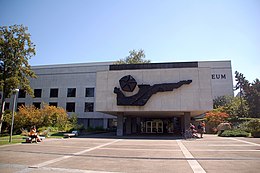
<point>138,124</point>
<point>186,119</point>
<point>105,122</point>
<point>128,125</point>
<point>134,124</point>
<point>120,125</point>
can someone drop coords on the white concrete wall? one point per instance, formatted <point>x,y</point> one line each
<point>196,96</point>
<point>221,77</point>
<point>79,76</point>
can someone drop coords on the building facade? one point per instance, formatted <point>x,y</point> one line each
<point>142,98</point>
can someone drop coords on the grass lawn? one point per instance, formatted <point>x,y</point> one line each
<point>19,138</point>
<point>15,139</point>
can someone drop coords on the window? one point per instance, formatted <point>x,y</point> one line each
<point>89,92</point>
<point>21,93</point>
<point>71,92</point>
<point>7,106</point>
<point>37,93</point>
<point>70,107</point>
<point>54,92</point>
<point>37,105</point>
<point>20,104</point>
<point>53,104</point>
<point>89,107</point>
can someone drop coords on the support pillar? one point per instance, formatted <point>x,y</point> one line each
<point>134,124</point>
<point>105,123</point>
<point>128,125</point>
<point>138,124</point>
<point>120,125</point>
<point>186,120</point>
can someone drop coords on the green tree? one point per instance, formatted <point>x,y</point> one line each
<point>135,57</point>
<point>250,92</point>
<point>253,98</point>
<point>16,49</point>
<point>241,84</point>
<point>231,105</point>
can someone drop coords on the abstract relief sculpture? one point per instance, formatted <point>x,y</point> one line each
<point>128,84</point>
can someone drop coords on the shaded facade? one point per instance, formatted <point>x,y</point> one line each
<point>140,98</point>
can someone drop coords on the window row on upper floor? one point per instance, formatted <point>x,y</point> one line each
<point>54,93</point>
<point>70,106</point>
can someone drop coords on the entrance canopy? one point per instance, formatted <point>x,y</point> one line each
<point>155,114</point>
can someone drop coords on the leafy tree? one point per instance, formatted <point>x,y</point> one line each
<point>214,118</point>
<point>241,84</point>
<point>135,57</point>
<point>221,101</point>
<point>253,98</point>
<point>250,92</point>
<point>16,49</point>
<point>231,105</point>
<point>48,116</point>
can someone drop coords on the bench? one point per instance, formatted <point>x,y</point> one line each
<point>72,134</point>
<point>29,139</point>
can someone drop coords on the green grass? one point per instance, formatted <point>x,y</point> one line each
<point>15,139</point>
<point>56,135</point>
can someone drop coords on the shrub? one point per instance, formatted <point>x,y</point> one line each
<point>234,133</point>
<point>214,118</point>
<point>252,126</point>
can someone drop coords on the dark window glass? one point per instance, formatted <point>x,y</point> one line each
<point>70,107</point>
<point>89,92</point>
<point>53,104</point>
<point>71,92</point>
<point>7,106</point>
<point>37,105</point>
<point>54,92</point>
<point>89,107</point>
<point>21,94</point>
<point>20,104</point>
<point>37,93</point>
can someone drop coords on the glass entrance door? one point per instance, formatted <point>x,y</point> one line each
<point>155,126</point>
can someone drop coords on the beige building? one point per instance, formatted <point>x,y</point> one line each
<point>162,101</point>
<point>142,98</point>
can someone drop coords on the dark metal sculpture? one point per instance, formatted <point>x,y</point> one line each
<point>127,83</point>
<point>144,93</point>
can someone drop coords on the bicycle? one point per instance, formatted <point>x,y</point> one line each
<point>187,134</point>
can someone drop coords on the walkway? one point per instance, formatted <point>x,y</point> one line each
<point>91,155</point>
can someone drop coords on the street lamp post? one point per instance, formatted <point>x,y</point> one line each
<point>12,125</point>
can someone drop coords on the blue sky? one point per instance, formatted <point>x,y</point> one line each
<point>81,31</point>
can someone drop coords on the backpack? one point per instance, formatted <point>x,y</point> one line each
<point>199,126</point>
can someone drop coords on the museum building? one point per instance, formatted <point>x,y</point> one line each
<point>154,98</point>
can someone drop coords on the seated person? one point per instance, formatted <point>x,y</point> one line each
<point>193,131</point>
<point>33,134</point>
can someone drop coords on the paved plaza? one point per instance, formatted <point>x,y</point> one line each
<point>133,154</point>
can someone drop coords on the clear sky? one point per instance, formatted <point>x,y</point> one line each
<point>80,31</point>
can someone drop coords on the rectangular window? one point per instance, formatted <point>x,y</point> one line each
<point>7,106</point>
<point>89,92</point>
<point>89,107</point>
<point>37,105</point>
<point>53,104</point>
<point>21,93</point>
<point>54,92</point>
<point>37,93</point>
<point>70,107</point>
<point>20,104</point>
<point>71,92</point>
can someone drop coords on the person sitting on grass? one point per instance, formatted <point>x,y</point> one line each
<point>34,135</point>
